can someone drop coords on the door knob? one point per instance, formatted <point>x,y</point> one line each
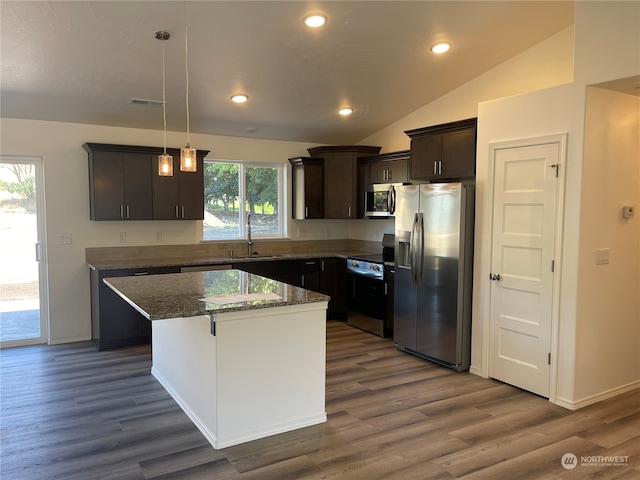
<point>494,276</point>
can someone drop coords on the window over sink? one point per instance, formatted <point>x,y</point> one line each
<point>233,190</point>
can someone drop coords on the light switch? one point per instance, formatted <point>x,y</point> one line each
<point>65,239</point>
<point>602,256</point>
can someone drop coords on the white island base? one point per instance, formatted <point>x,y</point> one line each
<point>262,373</point>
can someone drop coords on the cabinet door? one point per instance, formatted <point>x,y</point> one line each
<point>340,180</point>
<point>397,171</point>
<point>166,194</point>
<point>310,274</point>
<point>107,185</point>
<point>425,153</point>
<point>459,153</point>
<point>138,203</point>
<point>192,193</point>
<point>181,196</point>
<point>378,172</point>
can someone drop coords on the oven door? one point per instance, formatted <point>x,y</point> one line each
<point>367,296</point>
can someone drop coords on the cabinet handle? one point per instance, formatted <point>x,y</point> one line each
<point>306,212</point>
<point>127,211</point>
<point>389,174</point>
<point>176,211</point>
<point>182,211</point>
<point>121,211</point>
<point>386,291</point>
<point>349,212</point>
<point>322,268</point>
<point>435,167</point>
<point>440,167</point>
<point>302,276</point>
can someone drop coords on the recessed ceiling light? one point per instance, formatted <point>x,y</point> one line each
<point>239,98</point>
<point>440,47</point>
<point>315,20</point>
<point>345,111</point>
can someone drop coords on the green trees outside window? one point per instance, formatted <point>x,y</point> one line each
<point>234,190</point>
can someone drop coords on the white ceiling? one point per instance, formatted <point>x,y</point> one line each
<point>81,61</point>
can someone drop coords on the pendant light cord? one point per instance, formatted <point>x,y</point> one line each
<point>164,105</point>
<point>186,66</point>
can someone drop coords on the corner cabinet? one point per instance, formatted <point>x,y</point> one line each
<point>124,185</point>
<point>341,178</point>
<point>443,152</point>
<point>308,188</point>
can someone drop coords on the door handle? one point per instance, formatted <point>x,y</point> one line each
<point>494,276</point>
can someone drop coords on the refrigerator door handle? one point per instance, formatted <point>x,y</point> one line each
<point>412,250</point>
<point>420,228</point>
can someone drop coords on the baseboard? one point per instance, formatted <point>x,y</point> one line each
<point>229,441</point>
<point>576,405</point>
<point>60,341</point>
<point>476,371</point>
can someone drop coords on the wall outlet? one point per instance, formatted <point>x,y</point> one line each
<point>158,236</point>
<point>65,239</point>
<point>602,256</point>
<point>123,237</point>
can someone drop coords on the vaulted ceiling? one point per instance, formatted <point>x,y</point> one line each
<point>82,61</point>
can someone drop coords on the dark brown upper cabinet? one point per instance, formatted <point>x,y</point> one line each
<point>341,178</point>
<point>392,167</point>
<point>124,185</point>
<point>308,187</point>
<point>181,196</point>
<point>443,152</point>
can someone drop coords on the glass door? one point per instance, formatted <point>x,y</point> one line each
<point>21,253</point>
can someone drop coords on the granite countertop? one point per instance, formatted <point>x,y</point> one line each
<point>177,295</point>
<point>200,261</point>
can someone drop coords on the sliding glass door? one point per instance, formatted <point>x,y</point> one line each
<point>21,252</point>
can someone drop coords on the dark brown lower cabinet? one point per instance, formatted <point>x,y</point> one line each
<point>115,323</point>
<point>324,275</point>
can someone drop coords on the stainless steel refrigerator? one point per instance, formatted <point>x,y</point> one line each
<point>434,265</point>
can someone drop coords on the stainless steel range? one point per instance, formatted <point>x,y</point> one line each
<point>368,291</point>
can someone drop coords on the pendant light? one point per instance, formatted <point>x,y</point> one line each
<point>165,161</point>
<point>187,154</point>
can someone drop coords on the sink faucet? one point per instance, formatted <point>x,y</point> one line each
<point>249,241</point>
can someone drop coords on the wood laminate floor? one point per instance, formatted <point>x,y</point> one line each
<point>70,412</point>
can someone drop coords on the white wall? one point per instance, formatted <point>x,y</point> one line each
<point>607,48</point>
<point>608,311</point>
<point>547,64</point>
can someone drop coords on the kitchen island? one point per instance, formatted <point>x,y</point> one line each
<point>243,355</point>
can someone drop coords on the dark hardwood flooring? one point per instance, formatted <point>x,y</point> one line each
<point>70,412</point>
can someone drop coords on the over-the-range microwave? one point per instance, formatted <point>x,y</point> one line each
<point>380,201</point>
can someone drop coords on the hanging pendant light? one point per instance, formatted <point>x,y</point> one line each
<point>187,154</point>
<point>165,161</point>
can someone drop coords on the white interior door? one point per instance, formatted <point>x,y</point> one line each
<point>522,264</point>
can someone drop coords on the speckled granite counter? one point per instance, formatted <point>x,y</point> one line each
<point>203,261</point>
<point>240,371</point>
<point>178,294</point>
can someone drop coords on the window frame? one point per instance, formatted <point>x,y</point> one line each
<point>242,197</point>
